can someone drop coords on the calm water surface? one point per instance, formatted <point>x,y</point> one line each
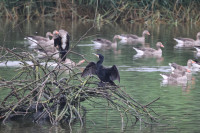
<point>179,105</point>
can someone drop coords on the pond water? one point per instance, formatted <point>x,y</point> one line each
<point>179,105</point>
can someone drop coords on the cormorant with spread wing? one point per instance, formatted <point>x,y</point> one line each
<point>104,74</point>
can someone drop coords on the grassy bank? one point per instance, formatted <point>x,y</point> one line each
<point>170,11</point>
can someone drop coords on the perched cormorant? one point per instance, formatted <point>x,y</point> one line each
<point>104,74</point>
<point>62,42</point>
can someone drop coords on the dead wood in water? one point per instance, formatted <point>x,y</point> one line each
<point>47,93</point>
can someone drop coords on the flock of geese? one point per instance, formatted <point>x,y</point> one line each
<point>58,47</point>
<point>179,74</point>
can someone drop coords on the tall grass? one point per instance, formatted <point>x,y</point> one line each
<point>109,10</point>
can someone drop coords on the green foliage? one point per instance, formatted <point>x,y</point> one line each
<point>107,10</point>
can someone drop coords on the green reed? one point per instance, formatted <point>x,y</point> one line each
<point>169,11</point>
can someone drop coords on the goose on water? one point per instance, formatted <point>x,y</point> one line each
<point>130,38</point>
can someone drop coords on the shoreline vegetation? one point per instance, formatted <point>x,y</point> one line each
<point>148,11</point>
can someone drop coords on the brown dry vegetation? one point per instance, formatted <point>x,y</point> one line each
<point>170,11</point>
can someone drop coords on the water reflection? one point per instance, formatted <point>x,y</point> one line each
<point>185,86</point>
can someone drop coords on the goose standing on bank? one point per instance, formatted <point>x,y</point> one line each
<point>130,38</point>
<point>62,43</point>
<point>104,43</point>
<point>104,74</point>
<point>188,42</point>
<point>35,40</point>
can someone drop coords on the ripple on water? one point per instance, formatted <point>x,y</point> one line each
<point>148,69</point>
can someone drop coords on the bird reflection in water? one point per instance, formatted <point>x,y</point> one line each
<point>186,86</point>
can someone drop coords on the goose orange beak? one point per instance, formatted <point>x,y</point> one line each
<point>193,62</point>
<point>80,62</point>
<point>56,32</point>
<point>148,33</point>
<point>162,46</point>
<point>188,70</point>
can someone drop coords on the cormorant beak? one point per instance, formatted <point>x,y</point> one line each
<point>96,55</point>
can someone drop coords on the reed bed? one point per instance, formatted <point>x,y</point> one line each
<point>55,94</point>
<point>169,11</point>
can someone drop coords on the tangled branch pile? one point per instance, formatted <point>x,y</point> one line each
<point>55,93</point>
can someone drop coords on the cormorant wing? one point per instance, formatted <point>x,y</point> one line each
<point>90,69</point>
<point>114,73</point>
<point>57,41</point>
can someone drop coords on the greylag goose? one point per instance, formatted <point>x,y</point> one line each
<point>130,38</point>
<point>178,68</point>
<point>48,44</point>
<point>51,52</point>
<point>196,65</point>
<point>47,48</point>
<point>55,55</point>
<point>100,42</point>
<point>188,42</point>
<point>62,43</point>
<point>34,40</point>
<point>175,77</point>
<point>150,51</point>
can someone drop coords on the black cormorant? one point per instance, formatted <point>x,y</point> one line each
<point>62,42</point>
<point>104,74</point>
